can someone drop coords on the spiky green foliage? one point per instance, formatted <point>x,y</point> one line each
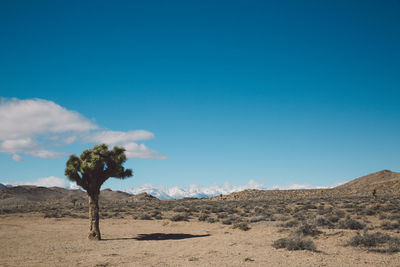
<point>95,166</point>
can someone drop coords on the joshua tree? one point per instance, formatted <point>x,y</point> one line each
<point>74,200</point>
<point>374,194</point>
<point>90,171</point>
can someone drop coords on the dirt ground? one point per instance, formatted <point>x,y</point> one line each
<point>31,240</point>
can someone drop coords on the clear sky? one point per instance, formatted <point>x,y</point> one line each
<point>280,92</point>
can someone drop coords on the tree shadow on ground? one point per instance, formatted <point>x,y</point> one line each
<point>158,236</point>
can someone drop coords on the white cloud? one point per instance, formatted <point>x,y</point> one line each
<point>69,140</point>
<point>116,137</point>
<point>24,121</point>
<point>26,146</point>
<point>18,144</point>
<point>16,157</point>
<point>127,140</point>
<point>30,126</point>
<point>134,150</point>
<point>45,154</point>
<point>26,118</point>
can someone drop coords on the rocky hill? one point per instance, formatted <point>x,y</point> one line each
<point>384,182</point>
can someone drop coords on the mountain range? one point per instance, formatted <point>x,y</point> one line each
<point>383,182</point>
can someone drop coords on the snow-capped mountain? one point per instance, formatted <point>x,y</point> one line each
<point>192,191</point>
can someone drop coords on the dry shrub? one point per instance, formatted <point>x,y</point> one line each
<point>241,225</point>
<point>257,219</point>
<point>351,224</point>
<point>294,242</point>
<point>212,220</point>
<point>180,217</point>
<point>307,229</point>
<point>390,244</point>
<point>388,225</point>
<point>180,209</point>
<point>321,221</point>
<point>227,221</point>
<point>290,223</point>
<point>203,217</point>
<point>144,216</point>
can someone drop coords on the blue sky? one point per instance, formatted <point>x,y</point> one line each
<point>281,92</point>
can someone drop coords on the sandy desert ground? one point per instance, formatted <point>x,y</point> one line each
<point>31,240</point>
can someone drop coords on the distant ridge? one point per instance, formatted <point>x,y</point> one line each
<point>383,182</point>
<point>20,195</point>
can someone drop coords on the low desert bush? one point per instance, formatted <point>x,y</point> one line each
<point>383,216</point>
<point>227,221</point>
<point>212,220</point>
<point>326,222</point>
<point>307,229</point>
<point>309,206</point>
<point>332,218</point>
<point>324,210</point>
<point>105,215</point>
<point>280,217</point>
<point>294,242</point>
<point>394,216</point>
<point>369,212</point>
<point>179,209</point>
<point>390,244</point>
<point>301,216</point>
<point>258,210</point>
<point>57,214</point>
<point>340,213</point>
<point>290,223</point>
<point>351,224</point>
<point>180,217</point>
<point>216,209</point>
<point>144,216</point>
<point>388,225</point>
<point>52,214</point>
<point>368,240</point>
<point>257,219</point>
<point>158,217</point>
<point>222,215</point>
<point>241,225</point>
<point>203,217</point>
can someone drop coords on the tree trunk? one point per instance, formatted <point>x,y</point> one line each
<point>94,233</point>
